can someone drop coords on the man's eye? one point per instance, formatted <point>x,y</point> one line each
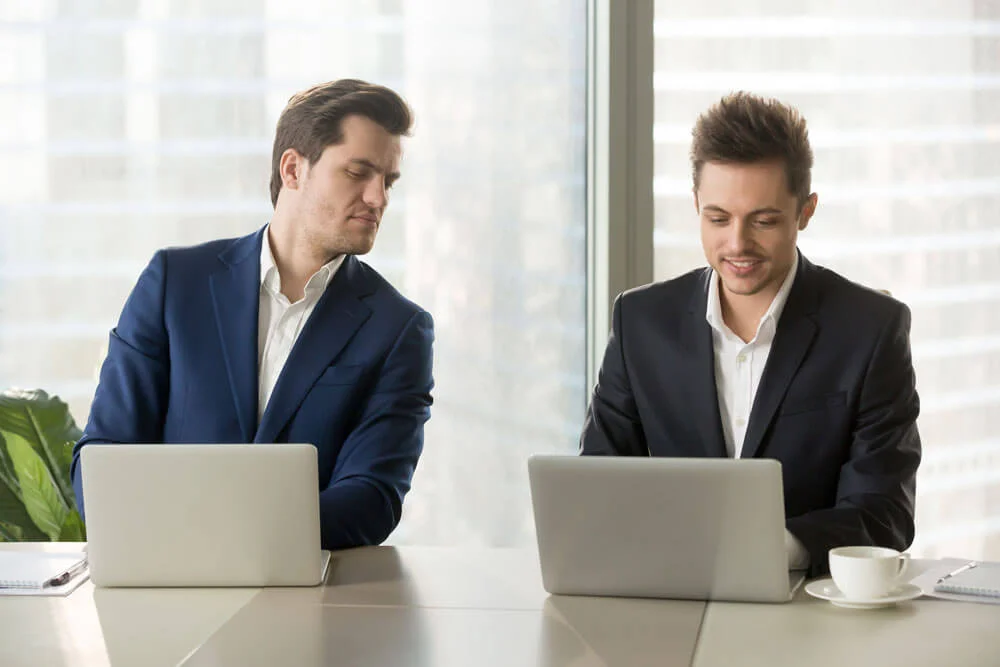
<point>355,174</point>
<point>717,221</point>
<point>766,222</point>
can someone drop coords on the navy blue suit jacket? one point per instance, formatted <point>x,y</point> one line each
<point>182,368</point>
<point>836,405</point>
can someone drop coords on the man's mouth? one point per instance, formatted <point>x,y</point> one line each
<point>744,263</point>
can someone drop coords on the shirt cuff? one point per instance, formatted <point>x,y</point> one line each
<point>798,557</point>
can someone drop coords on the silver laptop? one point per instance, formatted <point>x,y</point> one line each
<point>202,515</point>
<point>701,529</point>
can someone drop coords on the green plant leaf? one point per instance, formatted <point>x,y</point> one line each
<point>52,416</point>
<point>41,498</point>
<point>10,533</point>
<point>72,528</point>
<point>7,468</point>
<point>46,423</point>
<point>12,510</point>
<point>54,459</point>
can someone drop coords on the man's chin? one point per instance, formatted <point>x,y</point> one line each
<point>744,287</point>
<point>359,247</point>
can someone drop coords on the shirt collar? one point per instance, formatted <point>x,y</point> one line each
<point>270,279</point>
<point>713,310</point>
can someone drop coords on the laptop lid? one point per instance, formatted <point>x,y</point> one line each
<point>702,529</point>
<point>202,515</point>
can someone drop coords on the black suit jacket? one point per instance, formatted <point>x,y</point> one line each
<point>837,403</point>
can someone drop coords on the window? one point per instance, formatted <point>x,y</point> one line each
<point>903,104</point>
<point>133,125</point>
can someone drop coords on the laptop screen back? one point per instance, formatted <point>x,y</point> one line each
<point>704,529</point>
<point>202,515</point>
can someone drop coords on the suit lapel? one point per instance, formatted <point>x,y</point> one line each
<point>337,317</point>
<point>795,333</point>
<point>696,336</point>
<point>236,296</point>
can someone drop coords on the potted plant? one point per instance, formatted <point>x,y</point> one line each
<point>37,433</point>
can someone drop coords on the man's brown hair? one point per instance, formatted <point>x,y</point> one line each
<point>745,128</point>
<point>312,119</point>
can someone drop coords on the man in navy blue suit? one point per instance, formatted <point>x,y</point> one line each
<point>765,354</point>
<point>284,335</point>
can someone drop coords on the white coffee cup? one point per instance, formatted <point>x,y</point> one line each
<point>867,573</point>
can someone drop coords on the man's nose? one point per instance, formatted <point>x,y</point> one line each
<point>375,194</point>
<point>740,236</point>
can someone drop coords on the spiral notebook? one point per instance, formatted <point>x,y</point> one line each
<point>981,579</point>
<point>35,570</point>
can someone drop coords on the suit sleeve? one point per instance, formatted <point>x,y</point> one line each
<point>612,425</point>
<point>363,501</point>
<point>131,398</point>
<point>875,494</point>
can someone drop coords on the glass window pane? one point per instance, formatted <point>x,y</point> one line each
<point>137,124</point>
<point>903,104</point>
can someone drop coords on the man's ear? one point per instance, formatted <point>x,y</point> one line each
<point>808,209</point>
<point>292,168</point>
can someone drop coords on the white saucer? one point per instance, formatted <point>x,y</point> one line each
<point>825,589</point>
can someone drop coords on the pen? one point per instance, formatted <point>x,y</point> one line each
<point>68,574</point>
<point>967,566</point>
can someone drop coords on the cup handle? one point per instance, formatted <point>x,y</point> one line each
<point>904,565</point>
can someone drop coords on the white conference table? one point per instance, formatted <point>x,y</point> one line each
<point>418,606</point>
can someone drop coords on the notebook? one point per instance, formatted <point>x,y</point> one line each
<point>979,579</point>
<point>22,569</point>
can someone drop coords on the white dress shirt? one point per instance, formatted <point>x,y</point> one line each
<point>738,365</point>
<point>280,321</point>
<point>738,369</point>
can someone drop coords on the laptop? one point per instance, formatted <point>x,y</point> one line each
<point>699,529</point>
<point>202,515</point>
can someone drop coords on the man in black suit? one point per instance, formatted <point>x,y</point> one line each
<point>765,354</point>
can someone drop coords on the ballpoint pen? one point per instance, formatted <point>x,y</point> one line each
<point>967,566</point>
<point>68,574</point>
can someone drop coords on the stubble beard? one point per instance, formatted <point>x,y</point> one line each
<point>345,244</point>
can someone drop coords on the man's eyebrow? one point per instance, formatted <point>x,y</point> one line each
<point>374,167</point>
<point>767,210</point>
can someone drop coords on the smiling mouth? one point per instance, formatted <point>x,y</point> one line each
<point>743,263</point>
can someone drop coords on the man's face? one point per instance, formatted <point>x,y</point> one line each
<point>749,225</point>
<point>344,194</point>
